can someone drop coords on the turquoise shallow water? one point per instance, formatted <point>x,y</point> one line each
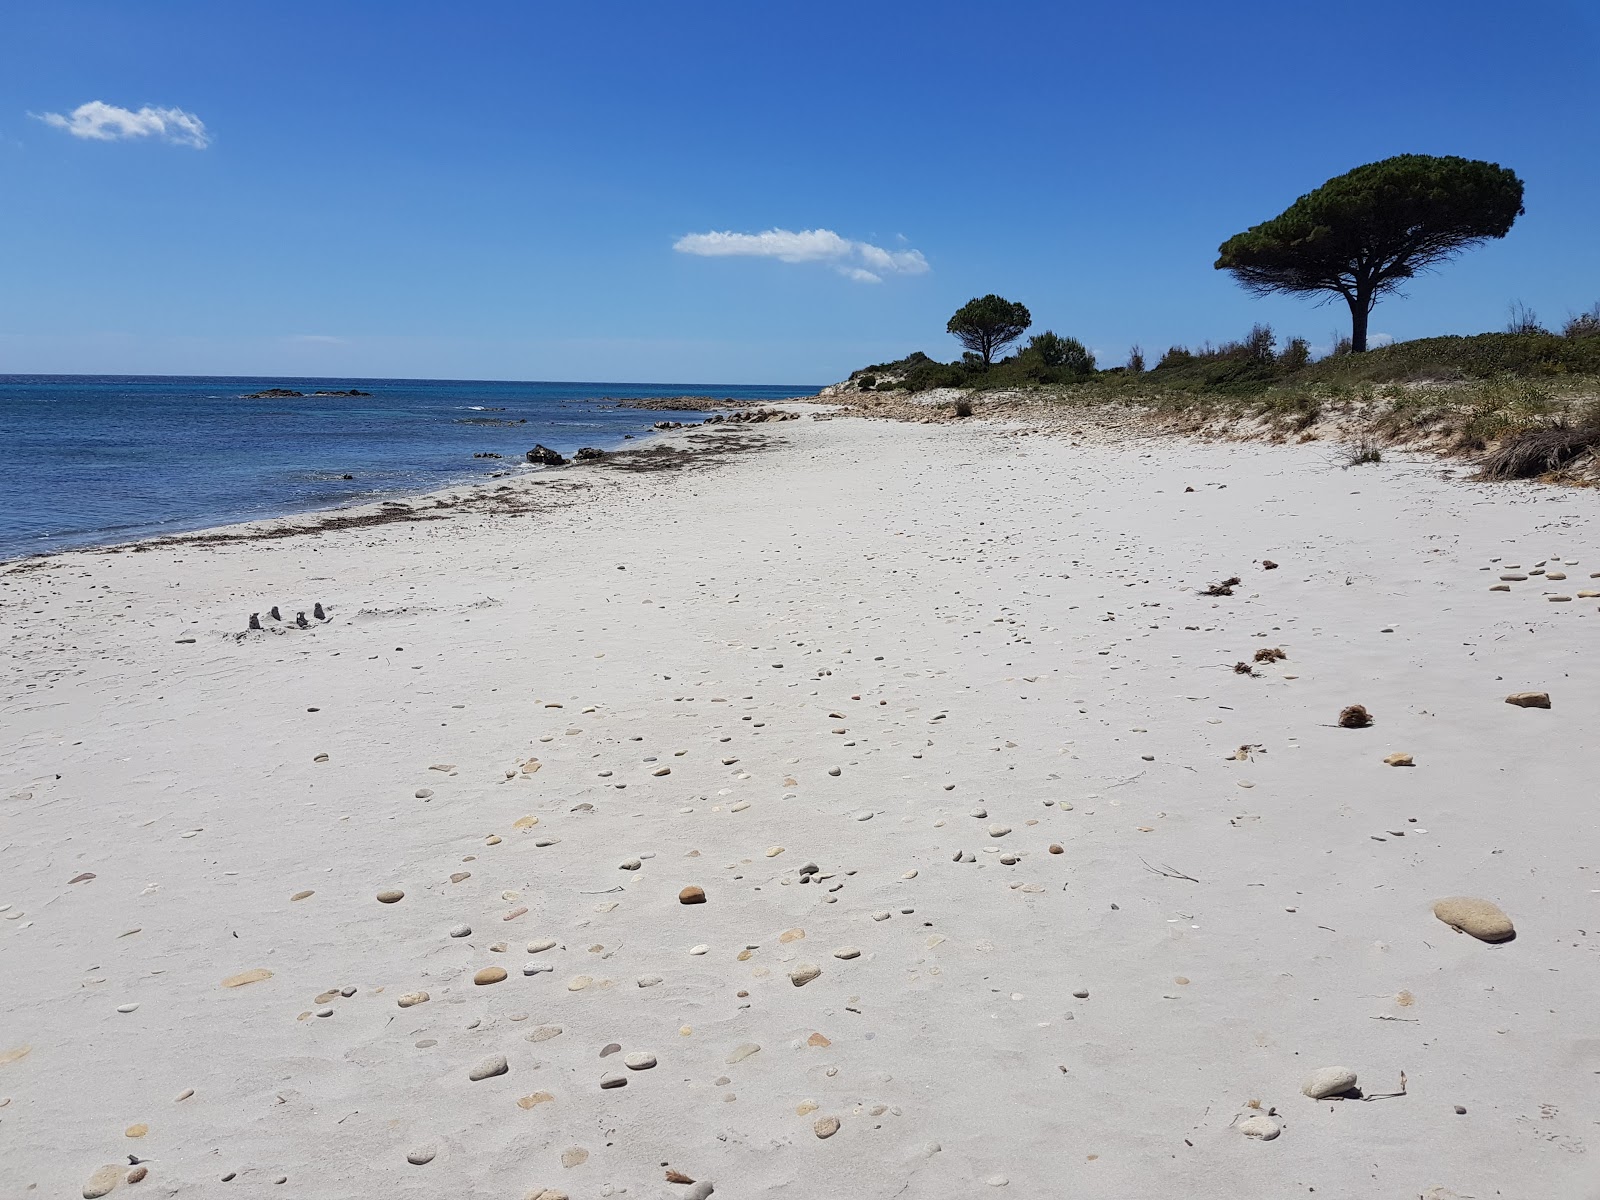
<point>92,459</point>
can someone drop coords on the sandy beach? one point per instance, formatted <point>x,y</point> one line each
<point>1012,883</point>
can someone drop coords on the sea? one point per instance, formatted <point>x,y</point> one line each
<point>90,460</point>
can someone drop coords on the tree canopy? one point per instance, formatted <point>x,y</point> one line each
<point>1362,234</point>
<point>987,324</point>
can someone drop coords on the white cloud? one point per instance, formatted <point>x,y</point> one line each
<point>101,122</point>
<point>860,261</point>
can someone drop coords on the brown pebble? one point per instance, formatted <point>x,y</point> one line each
<point>139,1172</point>
<point>1529,699</point>
<point>489,975</point>
<point>391,896</point>
<point>1056,849</point>
<point>692,895</point>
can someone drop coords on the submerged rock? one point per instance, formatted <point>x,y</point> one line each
<point>546,457</point>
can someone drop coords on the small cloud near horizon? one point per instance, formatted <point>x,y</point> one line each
<point>860,261</point>
<point>98,121</point>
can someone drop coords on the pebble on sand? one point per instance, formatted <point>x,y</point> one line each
<point>421,1156</point>
<point>1260,1126</point>
<point>102,1181</point>
<point>412,998</point>
<point>1328,1081</point>
<point>639,1061</point>
<point>1400,760</point>
<point>306,895</point>
<point>804,973</point>
<point>613,1080</point>
<point>1483,920</point>
<point>489,975</point>
<point>1529,699</point>
<point>847,952</point>
<point>137,1174</point>
<point>391,896</point>
<point>489,1068</point>
<point>460,931</point>
<point>692,895</point>
<point>826,1127</point>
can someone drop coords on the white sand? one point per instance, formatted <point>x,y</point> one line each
<point>1020,619</point>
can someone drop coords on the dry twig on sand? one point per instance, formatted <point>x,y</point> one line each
<point>1168,872</point>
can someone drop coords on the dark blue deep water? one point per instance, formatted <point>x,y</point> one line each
<point>93,459</point>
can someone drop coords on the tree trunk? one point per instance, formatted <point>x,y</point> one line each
<point>1360,310</point>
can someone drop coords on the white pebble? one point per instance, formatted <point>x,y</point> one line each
<point>1328,1081</point>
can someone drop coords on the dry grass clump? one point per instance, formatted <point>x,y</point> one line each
<point>1540,449</point>
<point>1355,716</point>
<point>1361,452</point>
<point>1225,588</point>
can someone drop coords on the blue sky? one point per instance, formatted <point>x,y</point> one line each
<point>496,190</point>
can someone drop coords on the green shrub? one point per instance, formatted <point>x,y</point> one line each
<point>1296,354</point>
<point>1054,352</point>
<point>1481,356</point>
